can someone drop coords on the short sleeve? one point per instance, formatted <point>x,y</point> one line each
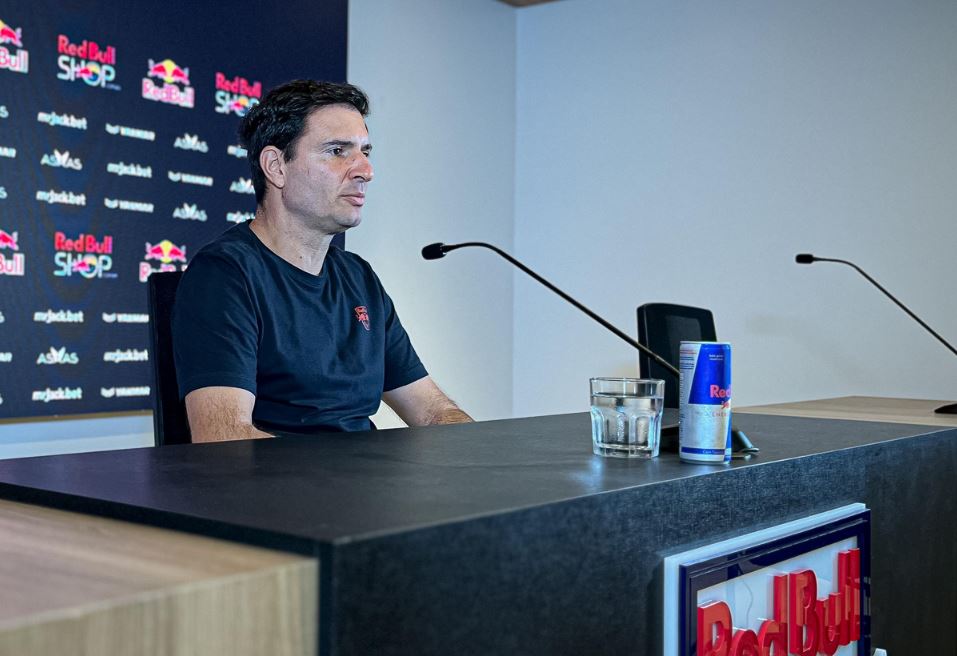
<point>402,364</point>
<point>215,327</point>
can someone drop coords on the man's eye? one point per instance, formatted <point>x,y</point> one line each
<point>338,150</point>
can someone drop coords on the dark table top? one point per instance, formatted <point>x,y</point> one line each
<point>306,492</point>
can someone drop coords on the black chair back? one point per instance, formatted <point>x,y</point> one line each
<point>170,425</point>
<point>662,327</point>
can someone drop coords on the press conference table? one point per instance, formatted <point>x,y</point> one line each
<point>502,537</point>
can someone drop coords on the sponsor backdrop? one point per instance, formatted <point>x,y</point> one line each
<point>119,158</point>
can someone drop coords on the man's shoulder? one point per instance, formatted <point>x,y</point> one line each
<point>229,256</point>
<point>233,244</point>
<point>351,262</point>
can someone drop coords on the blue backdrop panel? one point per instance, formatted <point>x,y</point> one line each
<point>118,157</point>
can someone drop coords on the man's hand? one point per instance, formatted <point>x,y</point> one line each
<point>221,413</point>
<point>422,403</point>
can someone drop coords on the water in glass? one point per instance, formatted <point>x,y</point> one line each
<point>626,426</point>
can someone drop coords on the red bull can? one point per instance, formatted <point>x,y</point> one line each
<point>704,406</point>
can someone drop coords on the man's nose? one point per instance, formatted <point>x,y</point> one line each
<point>362,168</point>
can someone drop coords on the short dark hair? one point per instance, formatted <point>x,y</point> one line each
<point>280,118</point>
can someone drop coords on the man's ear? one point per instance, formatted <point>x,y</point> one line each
<point>273,166</point>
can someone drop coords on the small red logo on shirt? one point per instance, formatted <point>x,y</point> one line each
<point>362,314</point>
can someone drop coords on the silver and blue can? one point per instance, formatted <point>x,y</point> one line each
<point>704,407</point>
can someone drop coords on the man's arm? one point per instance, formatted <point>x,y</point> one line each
<point>422,403</point>
<point>221,413</point>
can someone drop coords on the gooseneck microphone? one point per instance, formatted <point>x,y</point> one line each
<point>435,251</point>
<point>807,258</point>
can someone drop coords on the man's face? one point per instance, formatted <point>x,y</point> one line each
<point>326,180</point>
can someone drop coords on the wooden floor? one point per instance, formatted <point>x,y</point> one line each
<point>861,408</point>
<point>78,584</point>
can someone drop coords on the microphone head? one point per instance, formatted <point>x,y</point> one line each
<point>434,251</point>
<point>804,258</point>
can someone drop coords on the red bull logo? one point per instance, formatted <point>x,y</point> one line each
<point>11,35</point>
<point>801,622</point>
<point>85,255</point>
<point>8,240</point>
<point>167,253</point>
<point>86,61</point>
<point>82,244</point>
<point>11,264</point>
<point>17,60</point>
<point>236,96</point>
<point>175,89</point>
<point>87,50</point>
<point>168,71</point>
<point>362,315</point>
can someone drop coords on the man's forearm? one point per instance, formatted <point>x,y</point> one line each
<point>219,414</point>
<point>422,403</point>
<point>449,413</point>
<point>227,432</point>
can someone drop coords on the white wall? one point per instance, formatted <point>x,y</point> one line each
<point>441,80</point>
<point>684,151</point>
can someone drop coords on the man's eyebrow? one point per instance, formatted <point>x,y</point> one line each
<point>345,142</point>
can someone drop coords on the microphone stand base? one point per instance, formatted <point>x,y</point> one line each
<point>949,409</point>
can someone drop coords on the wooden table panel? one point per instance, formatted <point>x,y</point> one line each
<point>861,408</point>
<point>79,584</point>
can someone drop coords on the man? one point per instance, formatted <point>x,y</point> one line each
<point>274,329</point>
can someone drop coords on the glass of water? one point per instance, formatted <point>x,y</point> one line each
<point>626,416</point>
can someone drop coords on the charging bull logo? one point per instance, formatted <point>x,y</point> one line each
<point>169,72</point>
<point>10,35</point>
<point>166,252</point>
<point>175,89</point>
<point>362,314</point>
<point>9,240</point>
<point>17,60</point>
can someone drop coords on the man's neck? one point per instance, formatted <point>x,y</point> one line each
<point>302,248</point>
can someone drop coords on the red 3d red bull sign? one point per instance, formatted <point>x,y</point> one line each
<point>800,588</point>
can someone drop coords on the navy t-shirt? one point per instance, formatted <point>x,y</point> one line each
<point>317,351</point>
